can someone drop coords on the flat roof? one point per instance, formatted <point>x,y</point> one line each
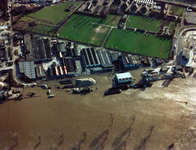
<point>123,75</point>
<point>126,59</point>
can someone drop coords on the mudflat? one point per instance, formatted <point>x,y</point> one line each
<point>151,119</point>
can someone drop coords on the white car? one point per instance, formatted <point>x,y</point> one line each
<point>51,96</point>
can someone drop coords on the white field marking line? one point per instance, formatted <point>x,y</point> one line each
<point>102,24</point>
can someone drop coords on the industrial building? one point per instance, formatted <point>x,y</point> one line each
<point>90,57</point>
<point>36,48</point>
<point>56,47</point>
<point>186,57</point>
<point>70,64</point>
<point>104,59</point>
<point>48,48</point>
<point>39,71</point>
<point>62,47</point>
<point>130,61</point>
<point>27,68</point>
<point>114,57</point>
<point>28,43</point>
<point>123,77</point>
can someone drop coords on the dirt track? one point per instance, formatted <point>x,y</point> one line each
<point>135,119</point>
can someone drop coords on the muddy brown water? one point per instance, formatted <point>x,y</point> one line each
<point>151,119</point>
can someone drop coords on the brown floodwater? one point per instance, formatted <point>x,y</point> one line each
<point>151,119</point>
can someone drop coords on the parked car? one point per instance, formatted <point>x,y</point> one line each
<point>51,96</point>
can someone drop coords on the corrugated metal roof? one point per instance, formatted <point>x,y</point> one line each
<point>27,67</point>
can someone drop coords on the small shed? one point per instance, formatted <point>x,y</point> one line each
<point>124,77</point>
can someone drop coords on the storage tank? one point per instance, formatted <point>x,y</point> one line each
<point>60,70</point>
<point>65,70</point>
<point>56,71</point>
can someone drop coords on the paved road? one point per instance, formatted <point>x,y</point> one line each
<point>178,48</point>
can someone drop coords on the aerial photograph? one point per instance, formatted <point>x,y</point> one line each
<point>97,75</point>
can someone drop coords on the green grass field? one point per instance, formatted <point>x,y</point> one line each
<point>139,43</point>
<point>54,14</point>
<point>143,23</point>
<point>42,29</point>
<point>171,24</point>
<point>87,29</point>
<point>175,10</point>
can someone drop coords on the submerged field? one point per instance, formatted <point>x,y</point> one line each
<point>143,23</point>
<point>87,29</point>
<point>139,43</point>
<point>54,14</point>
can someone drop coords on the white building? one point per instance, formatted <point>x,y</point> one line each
<point>124,77</point>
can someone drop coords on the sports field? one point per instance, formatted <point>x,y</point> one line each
<point>54,14</point>
<point>144,23</point>
<point>42,29</point>
<point>87,29</point>
<point>175,10</point>
<point>139,43</point>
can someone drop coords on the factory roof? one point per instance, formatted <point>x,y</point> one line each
<point>27,67</point>
<point>70,64</point>
<point>104,58</point>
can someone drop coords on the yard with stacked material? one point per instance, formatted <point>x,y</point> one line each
<point>87,29</point>
<point>144,23</point>
<point>46,20</point>
<point>139,43</point>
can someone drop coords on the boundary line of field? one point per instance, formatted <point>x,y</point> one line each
<point>37,19</point>
<point>138,30</point>
<point>103,25</point>
<point>66,19</point>
<point>107,37</point>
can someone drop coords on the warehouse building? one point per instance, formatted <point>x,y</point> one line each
<point>70,64</point>
<point>48,49</point>
<point>104,59</point>
<point>130,61</point>
<point>90,57</point>
<point>28,43</point>
<point>36,48</point>
<point>27,68</point>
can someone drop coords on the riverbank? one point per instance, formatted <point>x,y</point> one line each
<point>157,116</point>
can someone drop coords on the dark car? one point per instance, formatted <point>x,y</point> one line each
<point>112,91</point>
